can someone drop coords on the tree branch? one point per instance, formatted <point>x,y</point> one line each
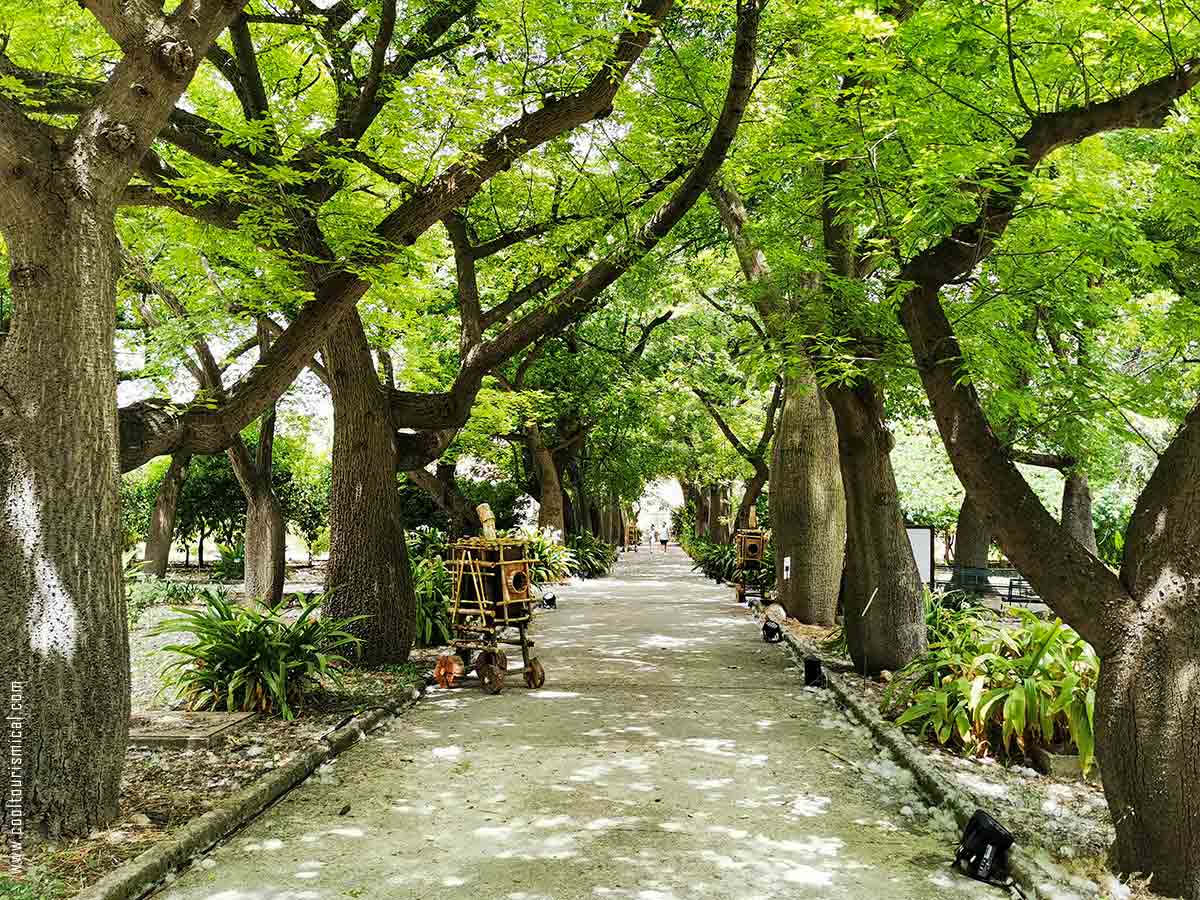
<point>1076,584</point>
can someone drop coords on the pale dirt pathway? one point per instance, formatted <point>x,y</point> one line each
<point>670,755</point>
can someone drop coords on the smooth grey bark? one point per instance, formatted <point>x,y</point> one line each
<point>808,503</point>
<point>266,532</point>
<point>162,523</point>
<point>884,613</point>
<point>1077,510</point>
<point>972,541</point>
<point>368,572</point>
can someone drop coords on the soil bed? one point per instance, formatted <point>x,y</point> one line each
<point>1067,818</point>
<point>161,790</point>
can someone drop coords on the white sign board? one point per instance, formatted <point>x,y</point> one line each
<point>921,539</point>
<point>787,567</point>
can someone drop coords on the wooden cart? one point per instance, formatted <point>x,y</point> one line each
<point>491,608</point>
<point>751,551</point>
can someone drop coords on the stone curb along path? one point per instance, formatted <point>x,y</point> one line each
<point>145,871</point>
<point>1032,878</point>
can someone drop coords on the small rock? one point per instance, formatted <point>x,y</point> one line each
<point>116,837</point>
<point>906,811</point>
<point>885,676</point>
<point>207,863</point>
<point>141,820</point>
<point>256,750</point>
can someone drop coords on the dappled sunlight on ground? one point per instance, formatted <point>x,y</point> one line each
<point>671,754</point>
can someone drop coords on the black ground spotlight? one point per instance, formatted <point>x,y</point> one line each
<point>814,675</point>
<point>983,851</point>
<point>549,601</point>
<point>772,633</point>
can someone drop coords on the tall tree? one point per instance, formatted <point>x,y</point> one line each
<point>1142,620</point>
<point>59,526</point>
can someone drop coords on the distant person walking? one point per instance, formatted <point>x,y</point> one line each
<point>663,536</point>
<point>653,536</point>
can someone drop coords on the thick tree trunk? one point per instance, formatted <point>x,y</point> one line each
<point>368,571</point>
<point>582,507</point>
<point>884,601</point>
<point>754,488</point>
<point>718,514</point>
<point>266,532</point>
<point>808,505</point>
<point>162,524</point>
<point>266,547</point>
<point>1148,744</point>
<point>1077,510</point>
<point>702,505</point>
<point>64,647</point>
<point>550,510</point>
<point>972,541</point>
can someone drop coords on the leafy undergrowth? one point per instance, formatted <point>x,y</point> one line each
<point>1064,822</point>
<point>164,789</point>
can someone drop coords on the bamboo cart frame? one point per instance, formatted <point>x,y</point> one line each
<point>751,549</point>
<point>492,598</point>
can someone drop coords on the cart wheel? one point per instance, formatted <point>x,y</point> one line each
<point>491,679</point>
<point>495,658</point>
<point>535,675</point>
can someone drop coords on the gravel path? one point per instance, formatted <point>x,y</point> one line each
<point>671,754</point>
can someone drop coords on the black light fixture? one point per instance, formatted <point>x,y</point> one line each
<point>814,675</point>
<point>983,851</point>
<point>772,633</point>
<point>549,601</point>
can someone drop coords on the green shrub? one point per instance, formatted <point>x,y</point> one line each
<point>143,591</point>
<point>232,564</point>
<point>434,586</point>
<point>716,561</point>
<point>551,561</point>
<point>253,657</point>
<point>593,557</point>
<point>987,685</point>
<point>425,541</point>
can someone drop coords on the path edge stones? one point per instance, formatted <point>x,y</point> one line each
<point>1032,877</point>
<point>144,872</point>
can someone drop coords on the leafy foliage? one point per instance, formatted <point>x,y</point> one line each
<point>231,566</point>
<point>552,562</point>
<point>255,658</point>
<point>988,685</point>
<point>592,556</point>
<point>143,591</point>
<point>434,586</point>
